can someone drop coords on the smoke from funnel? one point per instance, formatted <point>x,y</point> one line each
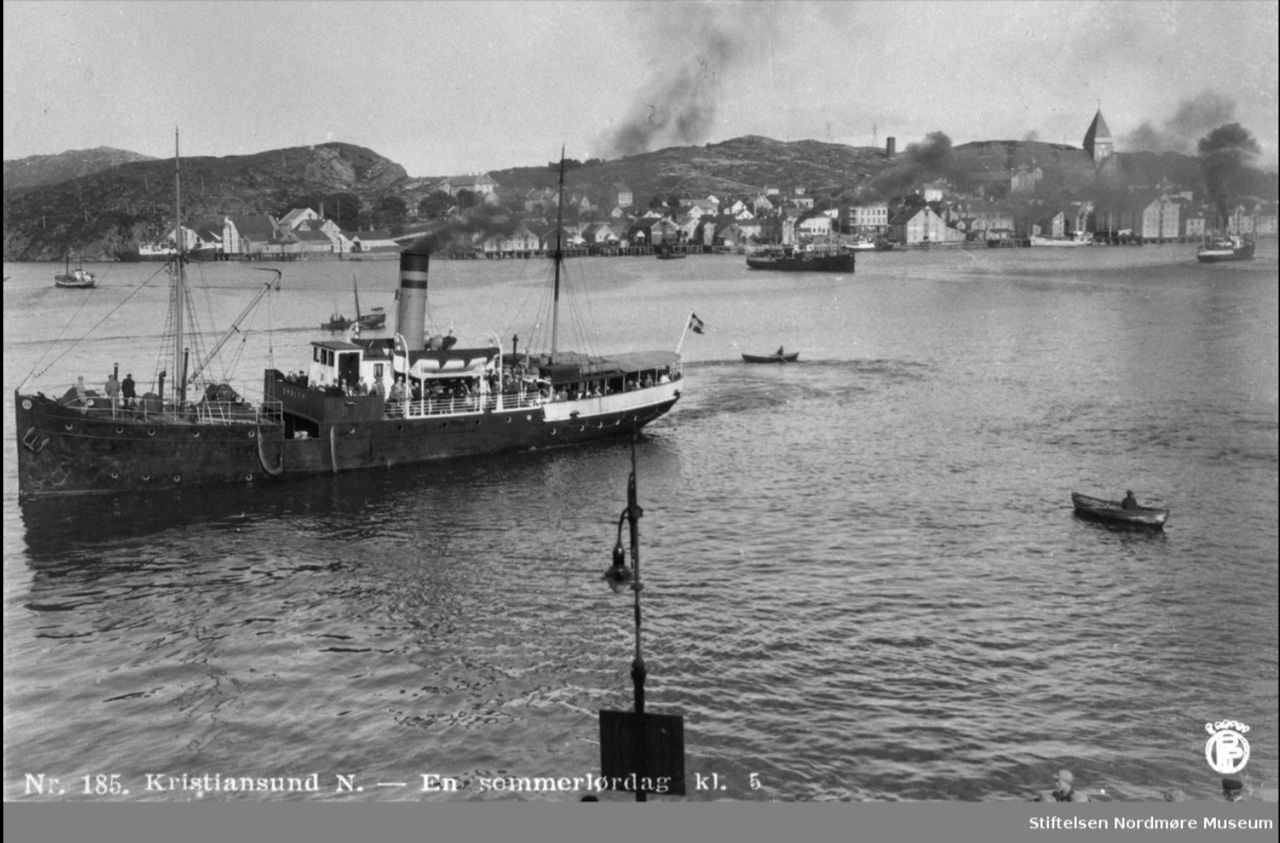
<point>463,232</point>
<point>1226,156</point>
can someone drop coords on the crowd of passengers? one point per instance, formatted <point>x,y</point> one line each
<point>461,388</point>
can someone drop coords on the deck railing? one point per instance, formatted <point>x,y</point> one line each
<point>202,412</point>
<point>424,407</point>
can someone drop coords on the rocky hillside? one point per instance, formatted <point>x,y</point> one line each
<point>72,164</point>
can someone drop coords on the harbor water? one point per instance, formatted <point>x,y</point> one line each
<point>863,577</point>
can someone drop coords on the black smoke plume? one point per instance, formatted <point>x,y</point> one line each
<point>1226,157</point>
<point>679,103</point>
<point>1194,117</point>
<point>933,155</point>
<point>924,161</point>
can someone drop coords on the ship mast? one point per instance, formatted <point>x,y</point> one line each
<point>179,376</point>
<point>559,256</point>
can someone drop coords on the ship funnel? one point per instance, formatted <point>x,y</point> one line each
<point>411,312</point>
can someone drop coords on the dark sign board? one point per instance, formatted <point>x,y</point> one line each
<point>663,769</point>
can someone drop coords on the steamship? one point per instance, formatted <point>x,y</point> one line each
<point>1223,249</point>
<point>796,259</point>
<point>358,404</point>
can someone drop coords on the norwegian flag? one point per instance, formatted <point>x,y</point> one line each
<point>695,323</point>
<point>400,355</point>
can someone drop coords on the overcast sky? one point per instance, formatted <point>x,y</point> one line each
<point>450,88</point>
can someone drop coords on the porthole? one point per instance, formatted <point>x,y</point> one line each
<point>252,433</point>
<point>248,477</point>
<point>195,434</point>
<point>68,427</point>
<point>177,478</point>
<point>146,477</point>
<point>555,431</point>
<point>151,431</point>
<point>115,475</point>
<point>119,430</point>
<point>26,403</point>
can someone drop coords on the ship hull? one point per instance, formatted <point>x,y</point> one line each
<point>838,263</point>
<point>63,450</point>
<point>136,255</point>
<point>1224,256</point>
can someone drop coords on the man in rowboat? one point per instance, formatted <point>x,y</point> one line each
<point>1129,502</point>
<point>1064,790</point>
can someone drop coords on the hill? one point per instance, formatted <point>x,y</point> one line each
<point>100,212</point>
<point>72,164</point>
<point>97,214</point>
<point>742,166</point>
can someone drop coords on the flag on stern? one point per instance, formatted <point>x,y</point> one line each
<point>695,323</point>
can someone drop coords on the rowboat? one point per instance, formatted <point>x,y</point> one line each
<point>1113,512</point>
<point>789,357</point>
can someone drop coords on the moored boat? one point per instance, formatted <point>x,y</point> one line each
<point>78,277</point>
<point>359,404</point>
<point>793,259</point>
<point>1114,512</point>
<point>1079,240</point>
<point>789,357</point>
<point>146,253</point>
<point>1224,249</point>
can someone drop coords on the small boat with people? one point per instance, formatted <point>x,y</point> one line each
<point>669,254</point>
<point>1122,513</point>
<point>376,318</point>
<point>779,356</point>
<point>1224,249</point>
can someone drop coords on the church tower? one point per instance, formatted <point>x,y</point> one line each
<point>1097,141</point>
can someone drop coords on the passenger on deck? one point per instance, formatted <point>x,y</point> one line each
<point>779,352</point>
<point>82,395</point>
<point>113,390</point>
<point>128,390</point>
<point>396,398</point>
<point>1129,502</point>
